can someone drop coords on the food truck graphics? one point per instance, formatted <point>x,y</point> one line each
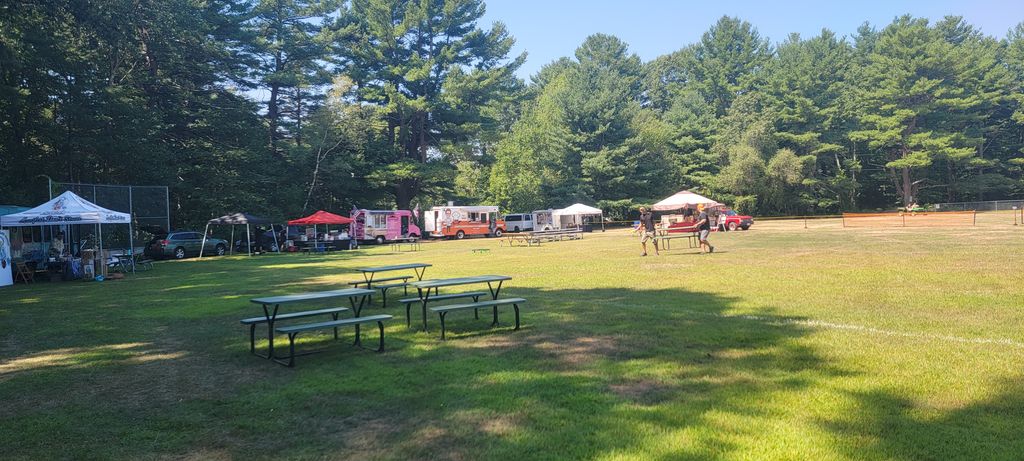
<point>384,225</point>
<point>460,221</point>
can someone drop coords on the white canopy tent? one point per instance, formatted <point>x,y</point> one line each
<point>684,199</point>
<point>575,215</point>
<point>66,209</point>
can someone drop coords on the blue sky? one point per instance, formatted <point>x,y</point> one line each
<point>551,29</point>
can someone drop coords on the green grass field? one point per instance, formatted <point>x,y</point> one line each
<point>787,343</point>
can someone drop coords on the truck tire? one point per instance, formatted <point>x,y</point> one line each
<point>497,232</point>
<point>380,240</point>
<point>733,226</point>
<point>460,235</point>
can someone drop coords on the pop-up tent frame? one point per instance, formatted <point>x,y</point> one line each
<point>578,211</point>
<point>320,217</point>
<point>68,208</point>
<point>238,219</point>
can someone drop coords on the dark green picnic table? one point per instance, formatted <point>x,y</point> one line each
<point>434,285</point>
<point>278,301</point>
<point>369,272</point>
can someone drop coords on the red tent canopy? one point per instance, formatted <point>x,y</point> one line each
<point>320,217</point>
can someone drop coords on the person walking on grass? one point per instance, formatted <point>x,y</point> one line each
<point>704,229</point>
<point>647,231</point>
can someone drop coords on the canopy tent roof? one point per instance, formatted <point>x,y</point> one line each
<point>320,217</point>
<point>580,209</point>
<point>239,218</point>
<point>684,199</point>
<point>11,209</point>
<point>66,208</point>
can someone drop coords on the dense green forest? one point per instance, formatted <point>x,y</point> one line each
<point>281,107</point>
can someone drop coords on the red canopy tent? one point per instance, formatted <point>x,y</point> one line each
<point>320,217</point>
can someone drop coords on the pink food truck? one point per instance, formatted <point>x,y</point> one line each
<point>384,225</point>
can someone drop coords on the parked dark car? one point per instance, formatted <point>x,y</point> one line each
<point>182,244</point>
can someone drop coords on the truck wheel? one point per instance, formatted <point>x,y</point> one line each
<point>179,253</point>
<point>380,240</point>
<point>733,226</point>
<point>460,235</point>
<point>515,229</point>
<point>745,227</point>
<point>497,232</point>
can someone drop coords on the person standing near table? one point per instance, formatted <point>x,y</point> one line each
<point>647,231</point>
<point>704,229</point>
<point>57,245</point>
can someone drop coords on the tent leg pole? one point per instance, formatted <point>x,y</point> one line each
<point>276,244</point>
<point>131,244</point>
<point>203,246</point>
<point>248,239</point>
<point>103,260</point>
<point>232,244</point>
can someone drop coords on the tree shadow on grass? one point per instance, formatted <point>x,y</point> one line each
<point>891,426</point>
<point>594,373</point>
<point>652,374</point>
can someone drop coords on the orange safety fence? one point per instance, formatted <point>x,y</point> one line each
<point>911,219</point>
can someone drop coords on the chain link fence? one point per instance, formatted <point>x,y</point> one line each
<point>991,205</point>
<point>148,205</point>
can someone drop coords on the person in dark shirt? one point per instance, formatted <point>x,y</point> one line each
<point>647,231</point>
<point>704,229</point>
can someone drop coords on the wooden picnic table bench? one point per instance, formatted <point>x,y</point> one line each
<point>442,311</point>
<point>668,234</point>
<point>293,330</point>
<point>435,285</point>
<point>272,304</point>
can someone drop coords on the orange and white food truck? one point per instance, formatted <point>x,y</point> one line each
<point>461,221</point>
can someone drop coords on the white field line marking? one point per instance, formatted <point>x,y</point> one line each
<point>782,321</point>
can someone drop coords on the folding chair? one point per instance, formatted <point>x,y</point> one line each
<point>21,271</point>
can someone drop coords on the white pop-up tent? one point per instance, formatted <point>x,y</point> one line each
<point>576,215</point>
<point>69,208</point>
<point>684,199</point>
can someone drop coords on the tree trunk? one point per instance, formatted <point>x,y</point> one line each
<point>272,116</point>
<point>298,116</point>
<point>908,187</point>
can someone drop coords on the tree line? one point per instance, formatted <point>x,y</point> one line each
<point>282,107</point>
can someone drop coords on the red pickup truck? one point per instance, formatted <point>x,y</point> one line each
<point>734,220</point>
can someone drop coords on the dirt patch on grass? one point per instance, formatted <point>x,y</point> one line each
<point>642,391</point>
<point>580,350</point>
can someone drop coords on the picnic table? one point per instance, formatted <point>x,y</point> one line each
<point>370,272</point>
<point>414,243</point>
<point>666,235</point>
<point>317,247</point>
<point>272,304</point>
<point>521,238</point>
<point>435,285</point>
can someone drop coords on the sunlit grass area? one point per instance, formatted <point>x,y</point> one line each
<point>787,343</point>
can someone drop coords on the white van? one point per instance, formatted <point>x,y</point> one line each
<point>519,222</point>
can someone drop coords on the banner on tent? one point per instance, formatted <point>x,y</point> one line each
<point>6,271</point>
